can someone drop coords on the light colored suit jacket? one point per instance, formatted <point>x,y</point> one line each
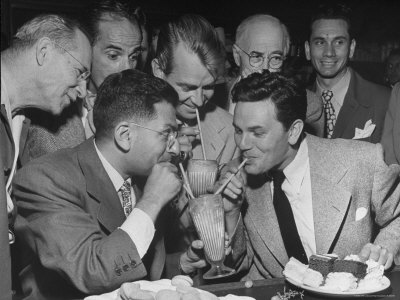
<point>391,130</point>
<point>352,190</point>
<point>72,214</point>
<point>364,101</point>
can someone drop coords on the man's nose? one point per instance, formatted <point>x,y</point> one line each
<point>329,50</point>
<point>198,98</point>
<point>175,148</point>
<point>81,88</point>
<point>244,142</point>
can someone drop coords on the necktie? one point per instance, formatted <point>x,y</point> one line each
<point>287,225</point>
<point>329,113</point>
<point>126,197</point>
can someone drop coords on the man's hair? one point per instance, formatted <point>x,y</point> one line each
<point>285,92</point>
<point>59,29</point>
<point>101,10</point>
<point>198,36</point>
<point>333,11</point>
<point>129,95</point>
<point>241,30</point>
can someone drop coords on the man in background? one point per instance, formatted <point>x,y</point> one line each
<point>392,68</point>
<point>354,108</point>
<point>46,67</point>
<point>92,214</point>
<point>262,43</point>
<point>114,26</point>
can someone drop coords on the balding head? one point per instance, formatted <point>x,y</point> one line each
<point>263,34</point>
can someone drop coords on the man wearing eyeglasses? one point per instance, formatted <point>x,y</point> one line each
<point>92,214</point>
<point>262,43</point>
<point>116,45</point>
<point>45,68</point>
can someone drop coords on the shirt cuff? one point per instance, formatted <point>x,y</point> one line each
<point>140,229</point>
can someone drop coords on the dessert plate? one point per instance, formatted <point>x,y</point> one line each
<point>334,293</point>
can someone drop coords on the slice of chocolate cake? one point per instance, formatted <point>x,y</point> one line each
<point>321,263</point>
<point>357,268</point>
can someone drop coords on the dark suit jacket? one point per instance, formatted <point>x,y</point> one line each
<point>352,190</point>
<point>7,152</point>
<point>72,214</point>
<point>391,131</point>
<point>364,101</point>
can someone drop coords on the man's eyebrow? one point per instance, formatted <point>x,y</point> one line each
<point>187,85</point>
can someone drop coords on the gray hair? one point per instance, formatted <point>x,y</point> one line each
<point>240,31</point>
<point>59,29</point>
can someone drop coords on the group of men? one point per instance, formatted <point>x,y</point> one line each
<point>102,209</point>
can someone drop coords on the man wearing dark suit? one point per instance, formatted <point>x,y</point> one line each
<point>354,107</point>
<point>46,68</point>
<point>298,194</point>
<point>92,213</point>
<point>116,38</point>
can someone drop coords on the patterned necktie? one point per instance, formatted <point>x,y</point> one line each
<point>126,197</point>
<point>287,224</point>
<point>329,113</point>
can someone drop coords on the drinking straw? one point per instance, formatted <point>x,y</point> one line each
<point>230,178</point>
<point>201,135</point>
<point>186,184</point>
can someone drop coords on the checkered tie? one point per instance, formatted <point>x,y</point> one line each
<point>329,113</point>
<point>126,197</point>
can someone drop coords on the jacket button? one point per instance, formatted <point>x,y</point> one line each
<point>133,263</point>
<point>125,267</point>
<point>7,171</point>
<point>118,271</point>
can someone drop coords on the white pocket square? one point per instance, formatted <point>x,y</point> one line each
<point>361,213</point>
<point>369,128</point>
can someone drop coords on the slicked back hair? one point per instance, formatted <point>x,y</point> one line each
<point>333,11</point>
<point>285,92</point>
<point>129,95</point>
<point>198,36</point>
<point>101,10</point>
<point>60,29</point>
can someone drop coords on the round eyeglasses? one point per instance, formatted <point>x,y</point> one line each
<point>256,59</point>
<point>171,135</point>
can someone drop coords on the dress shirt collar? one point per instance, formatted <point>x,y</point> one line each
<point>5,100</point>
<point>339,90</point>
<point>296,170</point>
<point>115,177</point>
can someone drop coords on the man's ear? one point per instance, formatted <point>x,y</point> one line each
<point>123,136</point>
<point>307,50</point>
<point>352,48</point>
<point>43,47</point>
<point>236,56</point>
<point>157,69</point>
<point>295,131</point>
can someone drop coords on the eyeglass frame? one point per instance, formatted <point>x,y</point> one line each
<point>83,76</point>
<point>172,135</point>
<point>259,54</point>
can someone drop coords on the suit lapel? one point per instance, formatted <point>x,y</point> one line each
<point>213,142</point>
<point>330,200</point>
<point>100,187</point>
<point>262,213</point>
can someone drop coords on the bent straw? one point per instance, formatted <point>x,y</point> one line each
<point>186,184</point>
<point>201,135</point>
<point>230,178</point>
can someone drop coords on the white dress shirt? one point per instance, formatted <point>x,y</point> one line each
<point>297,188</point>
<point>339,91</point>
<point>138,224</point>
<point>16,128</point>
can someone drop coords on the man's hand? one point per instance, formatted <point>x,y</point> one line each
<point>378,253</point>
<point>185,138</point>
<point>162,185</point>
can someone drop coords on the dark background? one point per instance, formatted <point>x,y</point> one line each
<point>377,22</point>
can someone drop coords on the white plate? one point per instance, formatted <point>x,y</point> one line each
<point>356,292</point>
